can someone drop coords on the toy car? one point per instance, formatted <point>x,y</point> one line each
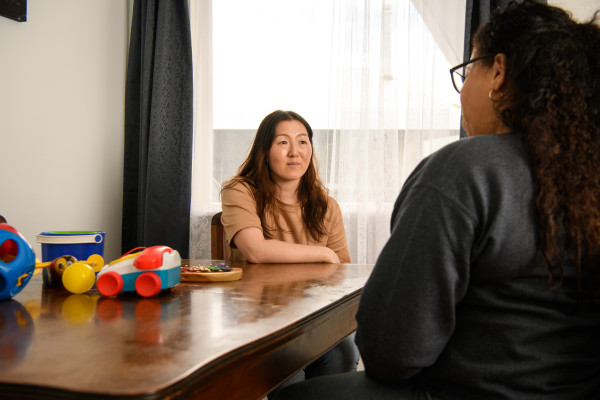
<point>146,272</point>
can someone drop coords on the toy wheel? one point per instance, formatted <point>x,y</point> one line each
<point>110,284</point>
<point>148,284</point>
<point>58,266</point>
<point>96,262</point>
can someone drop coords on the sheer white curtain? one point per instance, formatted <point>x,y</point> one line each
<point>391,104</point>
<point>202,208</point>
<point>378,96</point>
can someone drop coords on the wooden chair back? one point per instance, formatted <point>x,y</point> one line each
<point>217,238</point>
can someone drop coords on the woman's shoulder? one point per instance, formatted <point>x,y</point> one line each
<point>236,188</point>
<point>331,201</point>
<point>482,147</point>
<point>469,155</point>
<point>237,184</point>
<point>332,205</point>
<point>472,168</point>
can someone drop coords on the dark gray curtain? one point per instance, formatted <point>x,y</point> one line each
<point>158,127</point>
<point>478,13</point>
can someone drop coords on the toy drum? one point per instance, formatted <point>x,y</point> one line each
<point>79,244</point>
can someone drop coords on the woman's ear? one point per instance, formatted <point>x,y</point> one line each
<point>499,71</point>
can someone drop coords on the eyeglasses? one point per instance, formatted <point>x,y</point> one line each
<point>458,73</point>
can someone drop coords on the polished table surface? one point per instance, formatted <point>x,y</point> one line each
<point>234,340</point>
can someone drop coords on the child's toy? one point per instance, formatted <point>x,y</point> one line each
<point>146,272</point>
<point>18,264</point>
<point>210,273</point>
<point>79,244</point>
<point>17,261</point>
<point>75,276</point>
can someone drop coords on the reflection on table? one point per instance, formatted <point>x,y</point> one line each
<point>234,339</point>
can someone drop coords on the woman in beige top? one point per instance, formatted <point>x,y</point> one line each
<point>277,210</point>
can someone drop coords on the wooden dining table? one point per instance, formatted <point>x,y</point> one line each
<point>197,340</point>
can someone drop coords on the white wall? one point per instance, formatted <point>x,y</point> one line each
<point>62,89</point>
<point>581,10</point>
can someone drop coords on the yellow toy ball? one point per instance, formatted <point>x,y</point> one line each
<point>78,278</point>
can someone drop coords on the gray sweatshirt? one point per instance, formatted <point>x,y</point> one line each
<point>458,300</point>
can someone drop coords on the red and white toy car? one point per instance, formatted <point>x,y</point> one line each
<point>146,272</point>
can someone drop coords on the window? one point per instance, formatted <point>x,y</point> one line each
<point>371,77</point>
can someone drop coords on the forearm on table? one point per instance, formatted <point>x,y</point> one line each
<point>282,252</point>
<point>260,250</point>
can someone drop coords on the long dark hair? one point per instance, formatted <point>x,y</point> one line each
<point>256,174</point>
<point>552,97</point>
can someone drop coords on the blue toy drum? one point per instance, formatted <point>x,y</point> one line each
<point>79,244</point>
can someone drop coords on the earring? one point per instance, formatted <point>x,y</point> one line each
<point>490,94</point>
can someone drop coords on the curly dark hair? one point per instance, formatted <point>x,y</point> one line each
<point>255,172</point>
<point>551,96</point>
